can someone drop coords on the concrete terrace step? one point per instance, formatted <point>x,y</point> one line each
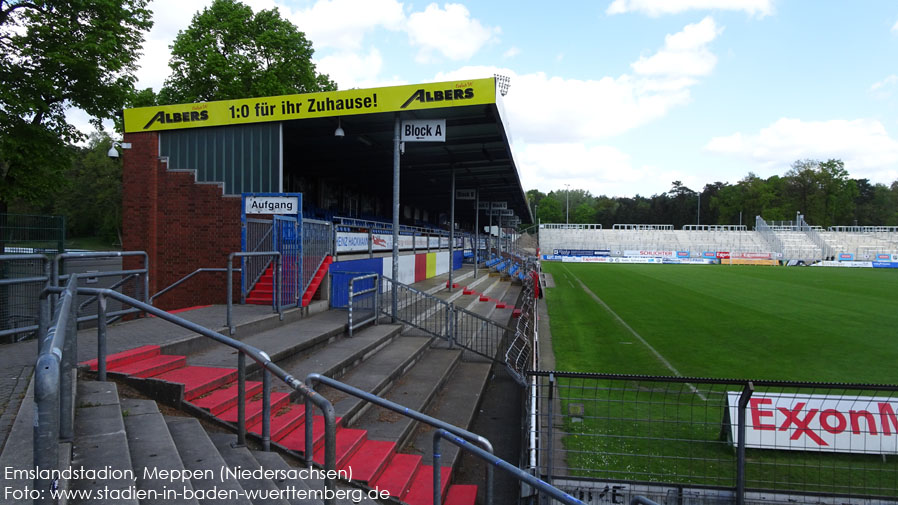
<point>199,454</point>
<point>241,457</point>
<point>279,343</point>
<point>414,390</point>
<point>376,374</point>
<point>341,354</point>
<point>152,447</point>
<point>100,440</point>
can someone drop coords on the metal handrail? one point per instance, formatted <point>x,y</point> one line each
<point>186,277</point>
<point>414,414</point>
<point>352,294</point>
<point>105,254</point>
<point>53,393</point>
<point>260,357</point>
<point>277,283</point>
<point>492,461</point>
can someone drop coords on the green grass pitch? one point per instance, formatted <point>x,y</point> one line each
<point>746,322</point>
<point>741,322</point>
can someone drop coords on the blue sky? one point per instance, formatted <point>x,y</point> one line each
<point>621,97</point>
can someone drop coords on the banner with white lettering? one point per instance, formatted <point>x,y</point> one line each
<point>802,422</point>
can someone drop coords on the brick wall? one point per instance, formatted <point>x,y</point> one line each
<point>181,225</point>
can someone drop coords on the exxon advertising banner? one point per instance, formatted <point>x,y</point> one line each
<point>801,422</point>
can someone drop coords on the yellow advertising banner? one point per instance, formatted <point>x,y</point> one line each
<point>737,261</point>
<point>312,105</point>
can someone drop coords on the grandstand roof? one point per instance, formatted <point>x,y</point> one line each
<point>476,146</point>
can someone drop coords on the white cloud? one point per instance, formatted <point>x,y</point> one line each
<point>353,70</point>
<point>449,31</point>
<point>343,24</point>
<point>684,53</point>
<point>895,27</point>
<point>883,89</point>
<point>511,52</point>
<point>863,144</point>
<point>600,169</point>
<point>656,8</point>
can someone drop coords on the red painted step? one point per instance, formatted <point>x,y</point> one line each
<point>467,291</point>
<point>461,494</point>
<point>370,460</point>
<point>516,313</point>
<point>151,366</point>
<point>484,298</point>
<point>501,305</point>
<point>222,399</point>
<point>316,280</point>
<point>420,492</point>
<point>296,439</point>
<point>348,442</point>
<point>125,357</point>
<point>263,291</point>
<point>454,285</point>
<point>400,471</point>
<point>254,409</point>
<point>283,421</point>
<point>199,380</point>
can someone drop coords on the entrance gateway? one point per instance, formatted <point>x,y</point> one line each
<point>190,165</point>
<point>281,232</point>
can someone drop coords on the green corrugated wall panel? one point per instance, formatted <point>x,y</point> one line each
<point>246,158</point>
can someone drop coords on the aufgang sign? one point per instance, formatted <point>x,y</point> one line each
<point>796,422</point>
<point>271,205</point>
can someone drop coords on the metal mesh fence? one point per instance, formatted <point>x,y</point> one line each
<point>25,234</point>
<point>478,334</point>
<point>258,236</point>
<point>415,308</point>
<point>806,443</point>
<point>317,243</point>
<point>22,281</point>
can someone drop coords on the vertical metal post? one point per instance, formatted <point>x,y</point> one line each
<point>266,410</point>
<point>101,337</point>
<point>396,132</point>
<point>349,300</point>
<point>230,297</point>
<point>740,446</point>
<point>437,496</point>
<point>278,286</point>
<point>549,423</point>
<point>309,427</point>
<point>476,228</point>
<point>489,239</point>
<point>451,228</point>
<point>370,243</point>
<point>46,423</point>
<point>241,399</point>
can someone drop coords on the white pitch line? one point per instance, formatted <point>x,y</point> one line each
<point>638,336</point>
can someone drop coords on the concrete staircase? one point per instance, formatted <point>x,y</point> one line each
<point>385,451</point>
<point>175,459</point>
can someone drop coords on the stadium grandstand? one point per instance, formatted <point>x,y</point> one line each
<point>789,241</point>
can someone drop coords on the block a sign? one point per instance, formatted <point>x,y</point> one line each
<point>258,204</point>
<point>423,130</point>
<point>465,194</point>
<point>804,422</point>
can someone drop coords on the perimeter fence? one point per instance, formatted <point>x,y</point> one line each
<point>607,438</point>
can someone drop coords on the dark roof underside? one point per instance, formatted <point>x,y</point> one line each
<point>476,147</point>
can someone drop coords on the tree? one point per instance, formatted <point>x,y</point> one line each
<point>228,52</point>
<point>551,210</point>
<point>92,198</point>
<point>56,55</point>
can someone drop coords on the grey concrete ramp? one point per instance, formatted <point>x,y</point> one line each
<point>267,493</point>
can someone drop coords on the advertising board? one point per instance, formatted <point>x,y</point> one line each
<point>806,422</point>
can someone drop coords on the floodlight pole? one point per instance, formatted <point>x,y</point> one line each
<point>396,142</point>
<point>567,204</point>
